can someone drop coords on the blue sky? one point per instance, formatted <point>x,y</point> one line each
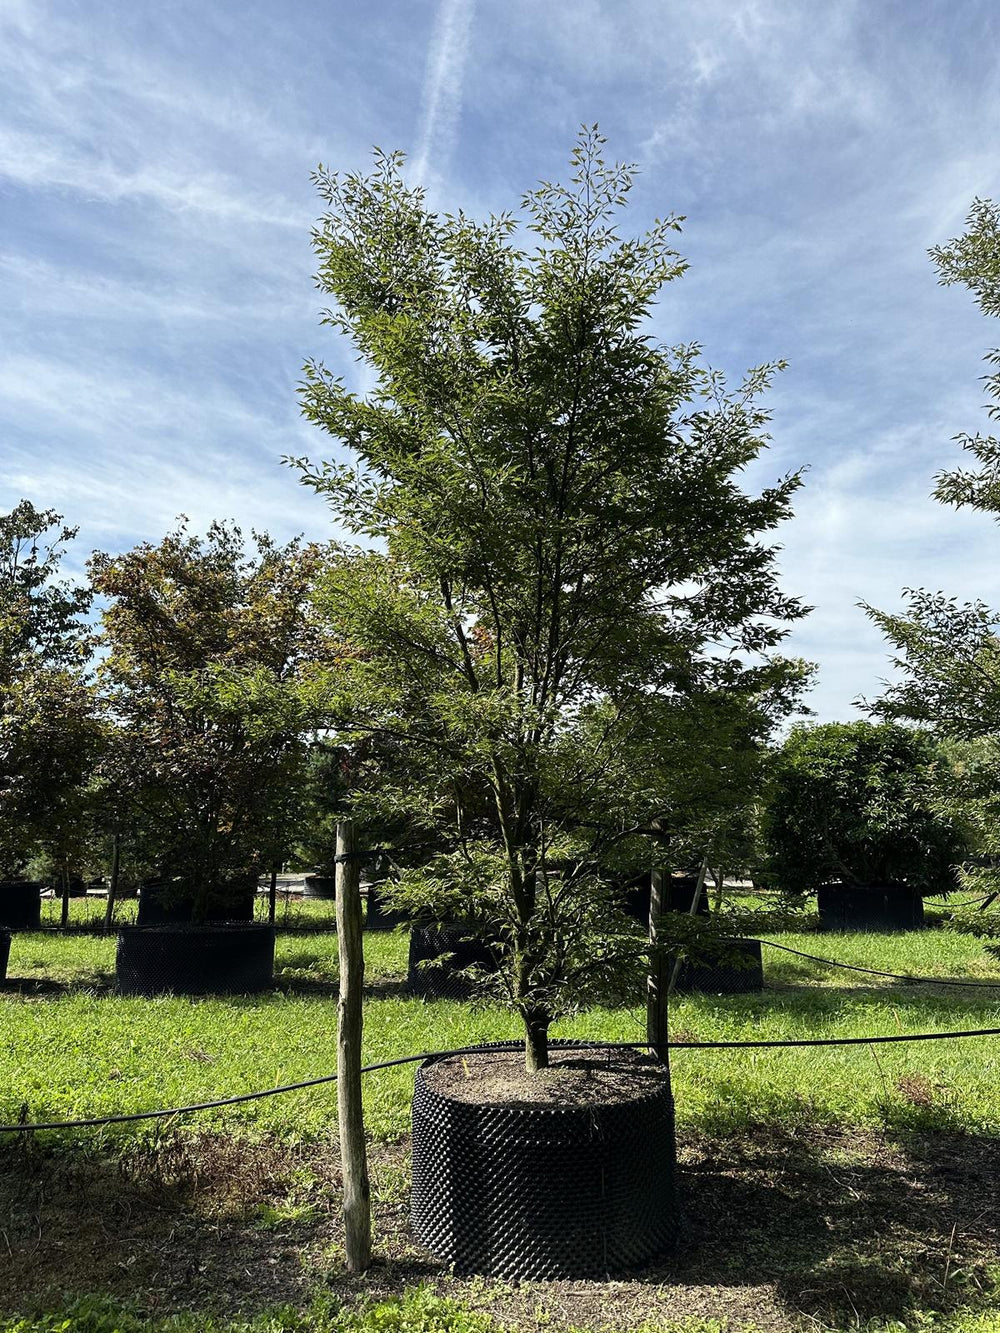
<point>156,271</point>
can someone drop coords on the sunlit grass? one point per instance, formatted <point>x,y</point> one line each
<point>74,1049</point>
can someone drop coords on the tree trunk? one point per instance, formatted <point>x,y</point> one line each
<point>720,886</point>
<point>272,896</point>
<point>692,911</point>
<point>64,915</point>
<point>116,863</point>
<point>353,1156</point>
<point>657,980</point>
<point>536,1041</point>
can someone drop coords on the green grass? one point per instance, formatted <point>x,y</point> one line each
<point>418,1310</point>
<point>71,1048</point>
<point>88,913</point>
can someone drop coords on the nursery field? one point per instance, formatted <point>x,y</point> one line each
<point>848,1187</point>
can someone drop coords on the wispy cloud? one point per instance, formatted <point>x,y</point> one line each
<point>441,101</point>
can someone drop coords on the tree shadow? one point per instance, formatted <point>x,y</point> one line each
<point>94,983</point>
<point>848,1227</point>
<point>840,1226</point>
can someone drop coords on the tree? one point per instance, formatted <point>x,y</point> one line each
<point>564,562</point>
<point>857,803</point>
<point>208,653</point>
<point>947,650</point>
<point>49,733</point>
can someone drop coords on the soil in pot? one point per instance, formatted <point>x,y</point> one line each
<point>566,1174</point>
<point>20,904</point>
<point>219,958</point>
<point>451,948</point>
<point>876,907</point>
<point>4,953</point>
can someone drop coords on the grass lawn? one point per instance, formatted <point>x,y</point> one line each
<point>820,1185</point>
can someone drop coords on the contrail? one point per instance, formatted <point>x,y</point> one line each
<point>441,100</point>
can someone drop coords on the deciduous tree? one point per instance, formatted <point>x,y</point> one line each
<point>564,568</point>
<point>208,647</point>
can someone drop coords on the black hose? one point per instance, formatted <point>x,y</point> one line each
<point>474,1050</point>
<point>874,971</point>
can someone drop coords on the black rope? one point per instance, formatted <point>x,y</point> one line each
<point>874,971</point>
<point>95,1121</point>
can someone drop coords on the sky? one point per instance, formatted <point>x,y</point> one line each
<point>157,300</point>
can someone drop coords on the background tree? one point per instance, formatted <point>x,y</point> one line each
<point>208,654</point>
<point>947,650</point>
<point>856,803</point>
<point>564,554</point>
<point>49,732</point>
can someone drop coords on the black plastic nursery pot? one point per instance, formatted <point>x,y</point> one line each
<point>379,915</point>
<point>4,953</point>
<point>741,972</point>
<point>319,886</point>
<point>217,958</point>
<point>20,904</point>
<point>539,1192</point>
<point>451,948</point>
<point>678,893</point>
<point>166,904</point>
<point>876,907</point>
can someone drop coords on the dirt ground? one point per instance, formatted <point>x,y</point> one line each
<point>781,1230</point>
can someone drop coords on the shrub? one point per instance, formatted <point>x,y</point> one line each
<point>857,803</point>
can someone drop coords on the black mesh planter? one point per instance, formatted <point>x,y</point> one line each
<point>452,948</point>
<point>741,972</point>
<point>878,907</point>
<point>380,916</point>
<point>221,958</point>
<point>544,1191</point>
<point>20,904</point>
<point>4,953</point>
<point>678,891</point>
<point>167,904</point>
<point>319,886</point>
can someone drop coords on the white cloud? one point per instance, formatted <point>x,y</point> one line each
<point>42,161</point>
<point>441,101</point>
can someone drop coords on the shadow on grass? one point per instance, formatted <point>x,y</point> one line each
<point>94,983</point>
<point>847,1227</point>
<point>840,1226</point>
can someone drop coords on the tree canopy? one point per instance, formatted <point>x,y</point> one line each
<point>558,571</point>
<point>208,648</point>
<point>49,732</point>
<point>857,803</point>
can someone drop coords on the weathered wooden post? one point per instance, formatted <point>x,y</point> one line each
<point>353,1156</point>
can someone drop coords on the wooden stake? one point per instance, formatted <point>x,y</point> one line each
<point>116,858</point>
<point>657,982</point>
<point>272,896</point>
<point>353,1157</point>
<point>692,911</point>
